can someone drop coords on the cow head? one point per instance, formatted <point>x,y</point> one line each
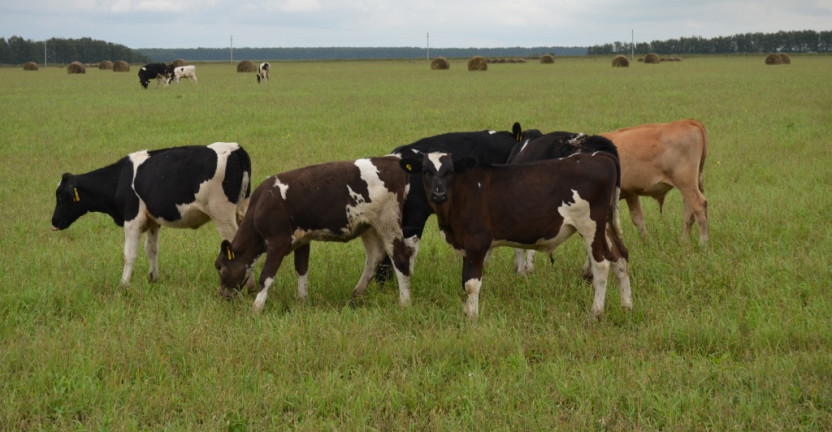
<point>437,171</point>
<point>69,203</point>
<point>234,273</point>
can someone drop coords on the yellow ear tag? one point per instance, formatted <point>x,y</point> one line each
<point>518,137</point>
<point>409,168</point>
<point>229,253</point>
<point>77,198</point>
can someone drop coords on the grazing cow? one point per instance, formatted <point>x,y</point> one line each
<point>180,187</point>
<point>336,201</point>
<point>151,71</point>
<point>655,158</point>
<point>488,147</point>
<point>556,145</point>
<point>263,72</point>
<point>535,205</point>
<point>180,72</point>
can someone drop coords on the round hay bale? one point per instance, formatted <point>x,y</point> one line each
<point>178,62</point>
<point>785,58</point>
<point>76,68</point>
<point>30,66</point>
<point>440,63</point>
<point>105,65</point>
<point>477,63</point>
<point>246,66</point>
<point>774,59</point>
<point>547,59</point>
<point>620,61</point>
<point>651,58</point>
<point>121,66</point>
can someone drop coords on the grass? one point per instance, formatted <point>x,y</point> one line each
<point>732,337</point>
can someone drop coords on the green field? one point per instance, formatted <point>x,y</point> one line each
<point>737,336</point>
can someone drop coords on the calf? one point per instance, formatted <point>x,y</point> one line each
<point>180,187</point>
<point>151,71</point>
<point>537,205</point>
<point>336,201</point>
<point>180,72</point>
<point>263,72</point>
<point>655,158</point>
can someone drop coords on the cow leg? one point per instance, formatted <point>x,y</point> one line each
<point>151,249</point>
<point>403,253</point>
<point>472,267</point>
<point>274,256</point>
<point>696,207</point>
<point>302,270</point>
<point>374,252</point>
<point>621,267</point>
<point>637,215</point>
<point>523,261</point>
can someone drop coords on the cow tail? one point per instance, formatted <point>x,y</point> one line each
<point>704,132</point>
<point>616,197</point>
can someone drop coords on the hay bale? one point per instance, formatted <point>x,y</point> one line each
<point>178,62</point>
<point>785,58</point>
<point>477,63</point>
<point>105,65</point>
<point>76,68</point>
<point>620,61</point>
<point>246,66</point>
<point>440,63</point>
<point>121,66</point>
<point>651,58</point>
<point>30,66</point>
<point>547,59</point>
<point>774,59</point>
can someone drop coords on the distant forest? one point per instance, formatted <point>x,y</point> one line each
<point>806,41</point>
<point>16,50</point>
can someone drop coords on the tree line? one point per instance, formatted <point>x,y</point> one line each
<point>16,50</point>
<point>805,41</point>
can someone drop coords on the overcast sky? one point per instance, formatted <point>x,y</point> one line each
<point>376,23</point>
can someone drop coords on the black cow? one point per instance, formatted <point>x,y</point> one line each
<point>180,187</point>
<point>335,201</point>
<point>556,145</point>
<point>151,71</point>
<point>535,205</point>
<point>488,147</point>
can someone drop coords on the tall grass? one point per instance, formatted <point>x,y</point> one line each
<point>731,337</point>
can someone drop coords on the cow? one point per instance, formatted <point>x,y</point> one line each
<point>489,147</point>
<point>263,72</point>
<point>335,201</point>
<point>180,72</point>
<point>179,187</point>
<point>535,205</point>
<point>558,145</point>
<point>657,157</point>
<point>151,71</point>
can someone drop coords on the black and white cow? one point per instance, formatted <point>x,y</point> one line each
<point>263,72</point>
<point>535,205</point>
<point>555,145</point>
<point>336,201</point>
<point>180,72</point>
<point>151,71</point>
<point>180,187</point>
<point>488,147</point>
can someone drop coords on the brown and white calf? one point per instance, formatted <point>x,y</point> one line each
<point>336,201</point>
<point>657,157</point>
<point>535,205</point>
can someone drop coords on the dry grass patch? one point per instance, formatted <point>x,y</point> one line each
<point>246,66</point>
<point>76,68</point>
<point>30,66</point>
<point>440,63</point>
<point>121,66</point>
<point>620,61</point>
<point>477,63</point>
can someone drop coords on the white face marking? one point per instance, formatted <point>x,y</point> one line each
<point>434,159</point>
<point>282,186</point>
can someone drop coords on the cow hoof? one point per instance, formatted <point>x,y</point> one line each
<point>152,278</point>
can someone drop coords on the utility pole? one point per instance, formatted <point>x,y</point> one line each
<point>231,48</point>
<point>427,51</point>
<point>44,53</point>
<point>632,44</point>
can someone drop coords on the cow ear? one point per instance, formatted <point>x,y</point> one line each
<point>411,165</point>
<point>517,131</point>
<point>464,164</point>
<point>225,249</point>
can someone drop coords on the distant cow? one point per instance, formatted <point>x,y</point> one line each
<point>151,71</point>
<point>658,157</point>
<point>558,145</point>
<point>336,201</point>
<point>263,72</point>
<point>535,205</point>
<point>180,187</point>
<point>180,72</point>
<point>488,147</point>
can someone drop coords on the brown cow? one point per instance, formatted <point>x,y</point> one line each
<point>657,157</point>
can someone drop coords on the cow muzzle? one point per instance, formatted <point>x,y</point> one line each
<point>438,197</point>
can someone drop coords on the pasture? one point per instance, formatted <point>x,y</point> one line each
<point>736,336</point>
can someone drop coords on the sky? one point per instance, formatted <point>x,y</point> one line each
<point>397,23</point>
